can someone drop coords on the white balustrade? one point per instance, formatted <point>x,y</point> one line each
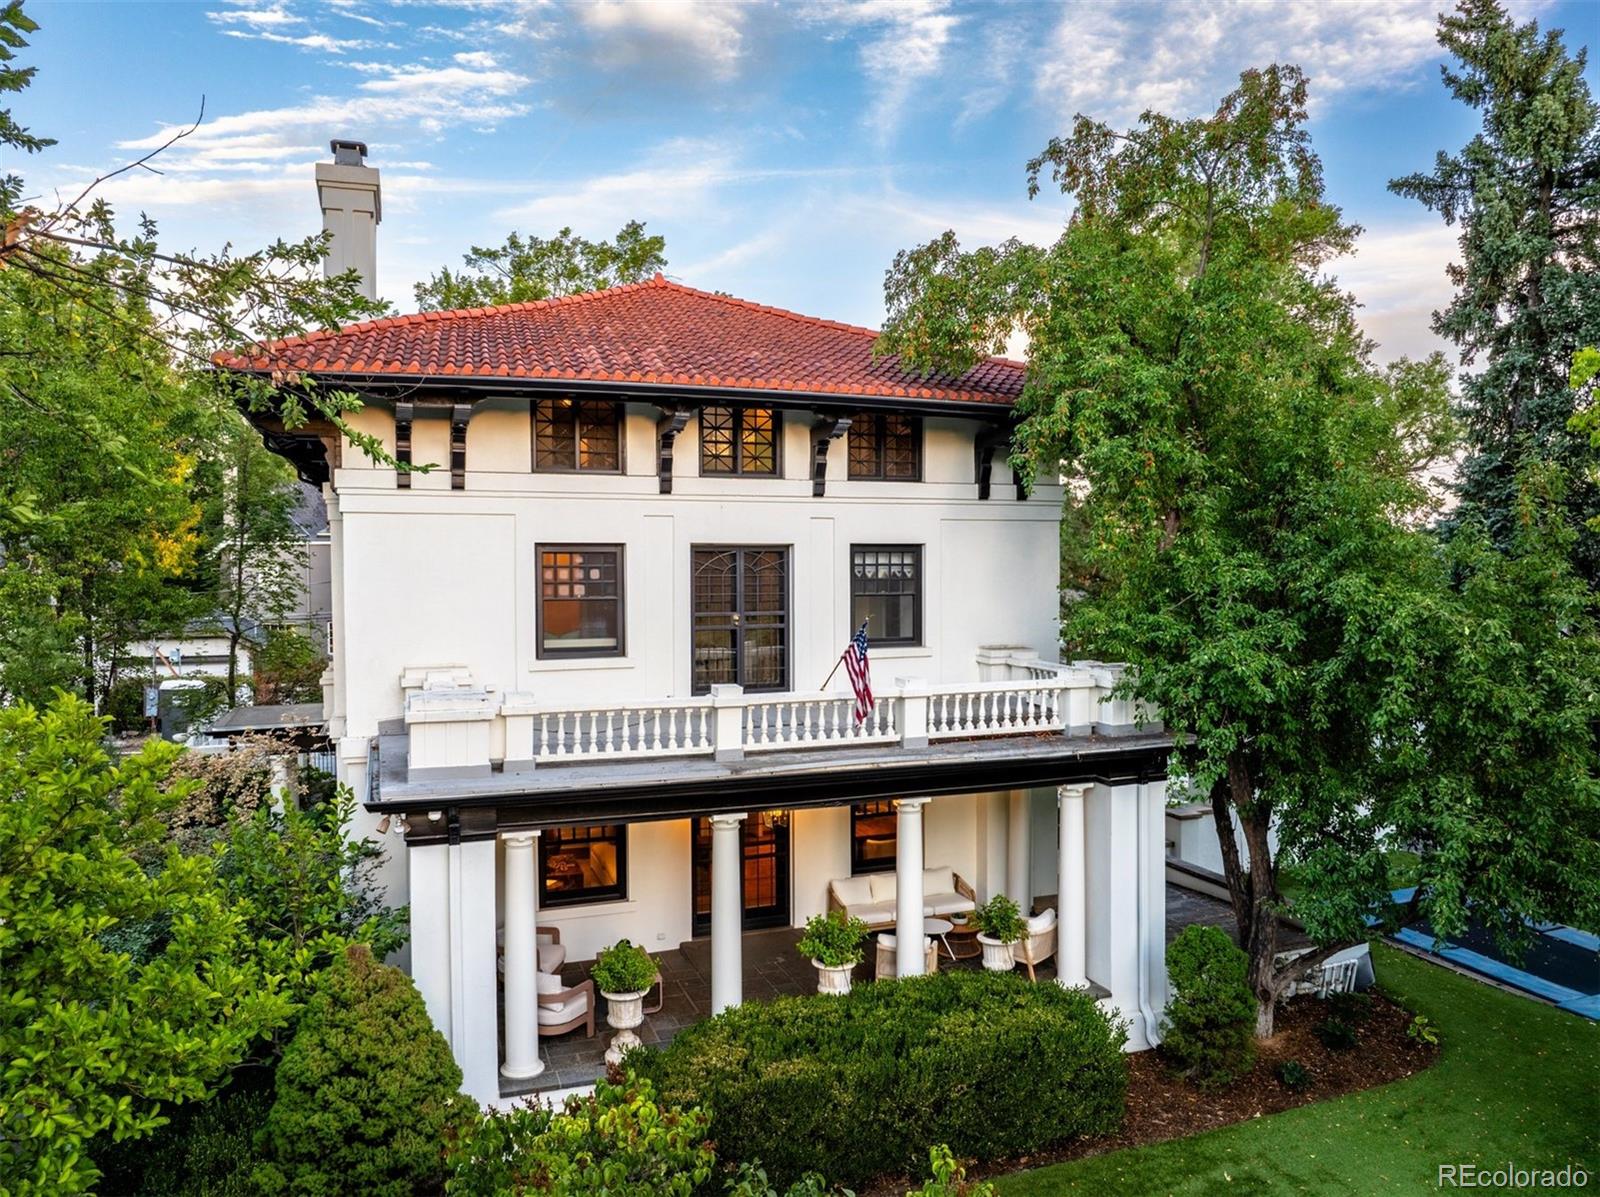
<point>624,730</point>
<point>1023,695</point>
<point>815,720</point>
<point>994,709</point>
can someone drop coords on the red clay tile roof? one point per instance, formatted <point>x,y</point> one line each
<point>653,332</point>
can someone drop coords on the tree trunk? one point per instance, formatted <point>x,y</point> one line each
<point>233,664</point>
<point>1252,887</point>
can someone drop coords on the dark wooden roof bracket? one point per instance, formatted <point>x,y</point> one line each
<point>672,422</point>
<point>829,428</point>
<point>404,412</point>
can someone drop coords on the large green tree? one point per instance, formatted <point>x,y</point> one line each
<point>96,1039</point>
<point>530,268</point>
<point>98,523</point>
<point>114,426</point>
<point>1525,192</point>
<point>1252,506</point>
<point>255,550</point>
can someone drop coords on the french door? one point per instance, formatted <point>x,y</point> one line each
<point>741,618</point>
<point>763,871</point>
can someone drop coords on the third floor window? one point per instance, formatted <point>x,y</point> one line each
<point>738,440</point>
<point>885,445</point>
<point>577,434</point>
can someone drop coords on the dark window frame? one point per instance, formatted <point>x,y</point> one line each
<point>859,864</point>
<point>578,426</point>
<point>737,411</point>
<point>876,422</point>
<point>549,845</point>
<point>621,598</point>
<point>739,624</point>
<point>919,594</point>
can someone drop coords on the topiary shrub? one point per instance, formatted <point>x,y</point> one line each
<point>1210,1030</point>
<point>367,1093</point>
<point>858,1086</point>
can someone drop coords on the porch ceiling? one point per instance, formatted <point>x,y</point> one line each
<point>637,791</point>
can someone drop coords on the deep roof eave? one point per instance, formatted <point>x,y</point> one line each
<point>379,384</point>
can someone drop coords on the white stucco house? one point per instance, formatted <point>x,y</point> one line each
<point>576,665</point>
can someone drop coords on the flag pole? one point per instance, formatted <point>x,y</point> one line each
<point>840,661</point>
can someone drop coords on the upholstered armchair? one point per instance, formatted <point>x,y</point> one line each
<point>564,1008</point>
<point>1038,944</point>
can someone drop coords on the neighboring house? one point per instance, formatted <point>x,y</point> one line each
<point>200,649</point>
<point>578,663</point>
<point>312,612</point>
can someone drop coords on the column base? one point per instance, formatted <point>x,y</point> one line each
<point>523,1073</point>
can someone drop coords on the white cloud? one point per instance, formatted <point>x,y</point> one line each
<point>911,37</point>
<point>479,59</point>
<point>1397,274</point>
<point>1113,60</point>
<point>699,36</point>
<point>273,17</point>
<point>397,99</point>
<point>309,41</point>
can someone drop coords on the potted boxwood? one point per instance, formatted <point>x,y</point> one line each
<point>1000,924</point>
<point>833,943</point>
<point>624,973</point>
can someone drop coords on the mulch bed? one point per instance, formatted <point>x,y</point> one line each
<point>1163,1106</point>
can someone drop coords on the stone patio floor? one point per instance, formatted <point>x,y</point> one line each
<point>772,968</point>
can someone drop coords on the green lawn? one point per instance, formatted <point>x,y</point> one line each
<point>1517,1081</point>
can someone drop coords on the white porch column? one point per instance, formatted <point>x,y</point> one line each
<point>727,917</point>
<point>522,957</point>
<point>909,957</point>
<point>1018,888</point>
<point>1072,897</point>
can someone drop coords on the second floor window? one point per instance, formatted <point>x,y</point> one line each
<point>577,434</point>
<point>738,440</point>
<point>884,445</point>
<point>886,587</point>
<point>580,600</point>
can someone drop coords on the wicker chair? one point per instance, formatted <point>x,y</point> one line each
<point>1039,944</point>
<point>887,961</point>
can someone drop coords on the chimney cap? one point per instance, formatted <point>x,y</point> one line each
<point>348,153</point>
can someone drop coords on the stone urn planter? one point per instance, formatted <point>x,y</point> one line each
<point>624,973</point>
<point>1000,925</point>
<point>832,942</point>
<point>833,979</point>
<point>997,954</point>
<point>624,1013</point>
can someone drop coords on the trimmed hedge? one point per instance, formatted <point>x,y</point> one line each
<point>1211,1021</point>
<point>367,1094</point>
<point>860,1085</point>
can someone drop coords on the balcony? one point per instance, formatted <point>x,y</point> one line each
<point>464,742</point>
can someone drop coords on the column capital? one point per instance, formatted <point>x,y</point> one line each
<point>910,804</point>
<point>729,820</point>
<point>520,839</point>
<point>1074,790</point>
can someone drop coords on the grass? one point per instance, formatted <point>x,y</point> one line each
<point>1517,1081</point>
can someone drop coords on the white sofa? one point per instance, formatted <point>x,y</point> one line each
<point>871,898</point>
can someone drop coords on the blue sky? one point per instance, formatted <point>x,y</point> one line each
<point>785,151</point>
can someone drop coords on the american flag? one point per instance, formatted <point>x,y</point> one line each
<point>855,664</point>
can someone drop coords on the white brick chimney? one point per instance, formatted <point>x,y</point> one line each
<point>352,206</point>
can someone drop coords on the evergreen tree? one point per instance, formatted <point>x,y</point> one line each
<point>1526,193</point>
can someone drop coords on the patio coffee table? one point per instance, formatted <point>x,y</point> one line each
<point>962,940</point>
<point>939,928</point>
